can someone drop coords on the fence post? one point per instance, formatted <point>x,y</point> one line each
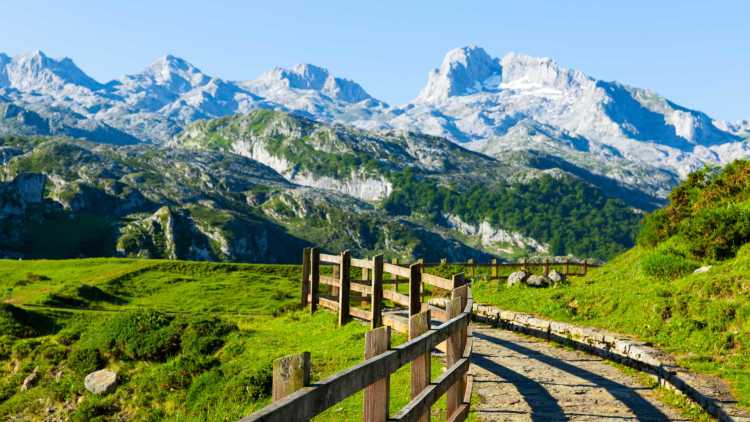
<point>494,273</point>
<point>458,280</point>
<point>472,267</point>
<point>377,394</point>
<point>314,278</point>
<point>290,373</point>
<point>305,287</point>
<point>420,367</point>
<point>376,300</point>
<point>585,266</point>
<point>567,266</point>
<point>336,274</point>
<point>546,266</point>
<point>415,282</point>
<point>394,277</point>
<point>344,288</point>
<point>455,353</point>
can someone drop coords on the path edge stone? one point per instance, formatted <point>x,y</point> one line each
<point>618,348</point>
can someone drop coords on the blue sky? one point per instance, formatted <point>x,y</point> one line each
<point>696,53</point>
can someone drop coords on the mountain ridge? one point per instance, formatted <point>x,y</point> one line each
<point>492,105</point>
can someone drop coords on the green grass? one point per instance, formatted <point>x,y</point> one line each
<point>702,319</point>
<point>189,340</point>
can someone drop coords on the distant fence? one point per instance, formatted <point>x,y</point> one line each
<point>495,270</point>
<point>296,399</point>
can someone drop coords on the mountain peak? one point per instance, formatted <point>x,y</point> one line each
<point>464,70</point>
<point>311,77</point>
<point>524,70</point>
<point>36,71</point>
<point>170,72</point>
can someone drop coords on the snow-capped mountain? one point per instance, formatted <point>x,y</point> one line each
<point>521,102</point>
<point>498,106</point>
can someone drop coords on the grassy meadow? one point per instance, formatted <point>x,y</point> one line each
<point>702,319</point>
<point>189,340</point>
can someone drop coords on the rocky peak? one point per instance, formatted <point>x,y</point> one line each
<point>35,71</point>
<point>311,77</point>
<point>465,70</point>
<point>172,73</point>
<point>521,71</point>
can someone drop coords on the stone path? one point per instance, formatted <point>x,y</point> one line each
<point>518,378</point>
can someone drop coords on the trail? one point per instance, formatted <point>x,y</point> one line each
<point>518,378</point>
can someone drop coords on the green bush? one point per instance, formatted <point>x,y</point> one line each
<point>215,386</point>
<point>718,233</point>
<point>666,265</point>
<point>85,360</point>
<point>710,211</point>
<point>6,346</point>
<point>53,353</point>
<point>140,335</point>
<point>654,228</point>
<point>179,373</point>
<point>205,336</point>
<point>94,409</point>
<point>24,348</point>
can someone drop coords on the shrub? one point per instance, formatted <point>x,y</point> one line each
<point>25,348</point>
<point>94,409</point>
<point>85,360</point>
<point>205,336</point>
<point>53,353</point>
<point>718,233</point>
<point>140,335</point>
<point>666,265</point>
<point>6,346</point>
<point>179,373</point>
<point>654,228</point>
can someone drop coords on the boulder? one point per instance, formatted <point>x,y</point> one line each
<point>517,277</point>
<point>703,269</point>
<point>538,281</point>
<point>100,382</point>
<point>556,277</point>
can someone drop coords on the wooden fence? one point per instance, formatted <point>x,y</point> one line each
<point>495,270</point>
<point>296,399</point>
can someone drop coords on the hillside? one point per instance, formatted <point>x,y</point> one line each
<point>65,199</point>
<point>189,340</point>
<point>653,291</point>
<point>507,207</point>
<point>253,187</point>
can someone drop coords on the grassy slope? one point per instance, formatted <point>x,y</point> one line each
<point>703,319</point>
<point>64,299</point>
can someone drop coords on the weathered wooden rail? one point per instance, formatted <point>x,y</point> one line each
<point>292,403</point>
<point>496,269</point>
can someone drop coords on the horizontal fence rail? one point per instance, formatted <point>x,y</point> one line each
<point>409,315</point>
<point>568,267</point>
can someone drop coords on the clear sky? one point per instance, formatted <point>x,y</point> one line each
<point>696,53</point>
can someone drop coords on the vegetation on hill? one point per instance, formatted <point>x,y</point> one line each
<point>189,340</point>
<point>568,214</point>
<point>652,291</point>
